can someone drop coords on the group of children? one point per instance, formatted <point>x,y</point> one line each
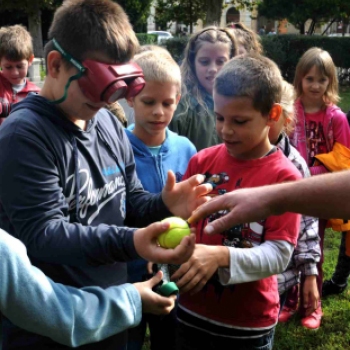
<point>319,124</point>
<point>77,196</point>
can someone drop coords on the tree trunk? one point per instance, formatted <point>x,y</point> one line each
<point>302,28</point>
<point>34,27</point>
<point>328,26</point>
<point>312,27</point>
<point>214,9</point>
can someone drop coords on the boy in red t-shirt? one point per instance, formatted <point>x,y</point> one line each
<point>16,56</point>
<point>236,303</point>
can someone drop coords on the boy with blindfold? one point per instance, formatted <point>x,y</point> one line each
<point>69,186</point>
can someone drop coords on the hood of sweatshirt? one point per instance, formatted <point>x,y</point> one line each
<point>46,109</point>
<point>140,149</point>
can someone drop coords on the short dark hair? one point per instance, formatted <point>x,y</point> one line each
<point>15,43</point>
<point>84,26</point>
<point>252,76</point>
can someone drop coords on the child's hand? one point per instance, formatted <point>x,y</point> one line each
<point>150,267</point>
<point>146,245</point>
<point>195,273</point>
<point>184,197</point>
<point>152,302</point>
<point>311,295</point>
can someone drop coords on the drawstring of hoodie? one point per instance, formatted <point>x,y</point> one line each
<point>77,177</point>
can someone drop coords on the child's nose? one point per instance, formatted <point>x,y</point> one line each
<point>227,129</point>
<point>158,110</point>
<point>213,67</point>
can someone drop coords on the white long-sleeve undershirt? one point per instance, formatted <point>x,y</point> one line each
<point>247,265</point>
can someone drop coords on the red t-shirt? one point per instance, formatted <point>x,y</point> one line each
<point>253,305</point>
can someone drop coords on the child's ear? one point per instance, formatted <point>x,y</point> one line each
<point>275,113</point>
<point>178,97</point>
<point>130,102</point>
<point>30,60</point>
<point>54,63</point>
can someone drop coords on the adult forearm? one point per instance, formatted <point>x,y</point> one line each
<point>324,196</point>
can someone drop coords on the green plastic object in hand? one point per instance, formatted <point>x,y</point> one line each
<point>167,289</point>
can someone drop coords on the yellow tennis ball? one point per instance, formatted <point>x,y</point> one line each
<point>173,235</point>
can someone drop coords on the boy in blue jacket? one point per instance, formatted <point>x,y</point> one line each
<point>69,188</point>
<point>157,150</point>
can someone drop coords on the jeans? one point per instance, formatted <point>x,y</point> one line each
<point>162,332</point>
<point>190,338</point>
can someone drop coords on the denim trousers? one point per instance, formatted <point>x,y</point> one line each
<point>189,338</point>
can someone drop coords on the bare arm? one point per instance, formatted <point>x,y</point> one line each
<point>324,196</point>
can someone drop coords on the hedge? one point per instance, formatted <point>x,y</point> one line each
<point>146,39</point>
<point>285,50</point>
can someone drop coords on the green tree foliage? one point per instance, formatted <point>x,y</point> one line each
<point>32,8</point>
<point>190,11</point>
<point>299,11</point>
<point>186,12</point>
<point>138,12</point>
<point>27,5</point>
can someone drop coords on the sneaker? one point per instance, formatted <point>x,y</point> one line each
<point>329,288</point>
<point>314,320</point>
<point>286,314</point>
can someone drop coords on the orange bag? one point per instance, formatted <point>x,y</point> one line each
<point>336,160</point>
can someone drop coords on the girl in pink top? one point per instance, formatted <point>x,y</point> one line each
<point>320,123</point>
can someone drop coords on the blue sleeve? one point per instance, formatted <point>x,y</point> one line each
<point>34,209</point>
<point>34,302</point>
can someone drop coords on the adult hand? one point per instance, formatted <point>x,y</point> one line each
<point>245,205</point>
<point>152,302</point>
<point>146,245</point>
<point>183,197</point>
<point>311,295</point>
<point>195,273</point>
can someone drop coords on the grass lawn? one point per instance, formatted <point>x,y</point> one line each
<point>344,103</point>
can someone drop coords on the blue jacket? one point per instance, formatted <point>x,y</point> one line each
<point>175,153</point>
<point>68,194</point>
<point>34,302</point>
